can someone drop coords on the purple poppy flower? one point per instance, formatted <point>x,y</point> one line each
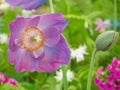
<point>36,43</point>
<point>27,4</point>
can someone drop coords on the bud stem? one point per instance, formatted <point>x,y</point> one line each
<point>51,6</point>
<point>115,14</point>
<point>91,69</point>
<point>65,84</point>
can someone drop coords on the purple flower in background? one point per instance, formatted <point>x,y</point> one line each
<point>102,25</point>
<point>27,4</point>
<point>36,43</point>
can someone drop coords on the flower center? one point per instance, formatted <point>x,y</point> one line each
<point>32,38</point>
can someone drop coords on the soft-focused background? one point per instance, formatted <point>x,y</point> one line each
<point>80,35</point>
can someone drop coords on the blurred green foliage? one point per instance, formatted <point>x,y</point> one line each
<point>77,12</point>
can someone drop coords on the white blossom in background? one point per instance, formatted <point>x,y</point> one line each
<point>3,38</point>
<point>27,13</point>
<point>79,53</point>
<point>4,5</point>
<point>69,75</point>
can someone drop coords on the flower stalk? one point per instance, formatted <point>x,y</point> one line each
<point>115,14</point>
<point>64,81</point>
<point>65,84</point>
<point>91,69</point>
<point>104,42</point>
<point>51,6</point>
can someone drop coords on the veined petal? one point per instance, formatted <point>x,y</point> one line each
<point>48,67</point>
<point>54,57</point>
<point>26,62</point>
<point>52,36</point>
<point>38,54</point>
<point>53,20</point>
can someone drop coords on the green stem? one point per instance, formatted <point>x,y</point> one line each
<point>68,6</point>
<point>115,13</point>
<point>91,70</point>
<point>64,81</point>
<point>64,77</point>
<point>51,6</point>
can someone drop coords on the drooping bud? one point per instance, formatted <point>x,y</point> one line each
<point>106,40</point>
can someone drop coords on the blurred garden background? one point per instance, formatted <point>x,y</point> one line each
<point>80,34</point>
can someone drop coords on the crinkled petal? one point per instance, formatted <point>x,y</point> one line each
<point>21,23</point>
<point>54,57</point>
<point>51,36</point>
<point>14,56</point>
<point>48,67</point>
<point>18,25</point>
<point>14,42</point>
<point>23,60</point>
<point>34,20</point>
<point>53,20</point>
<point>38,54</point>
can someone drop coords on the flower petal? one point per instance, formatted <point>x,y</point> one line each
<point>52,36</point>
<point>53,20</point>
<point>14,42</point>
<point>23,60</point>
<point>48,67</point>
<point>14,56</point>
<point>21,23</point>
<point>34,20</point>
<point>38,54</point>
<point>54,57</point>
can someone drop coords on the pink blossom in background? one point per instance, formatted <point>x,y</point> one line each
<point>36,43</point>
<point>100,71</point>
<point>110,77</point>
<point>27,4</point>
<point>102,25</point>
<point>5,80</point>
<point>12,81</point>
